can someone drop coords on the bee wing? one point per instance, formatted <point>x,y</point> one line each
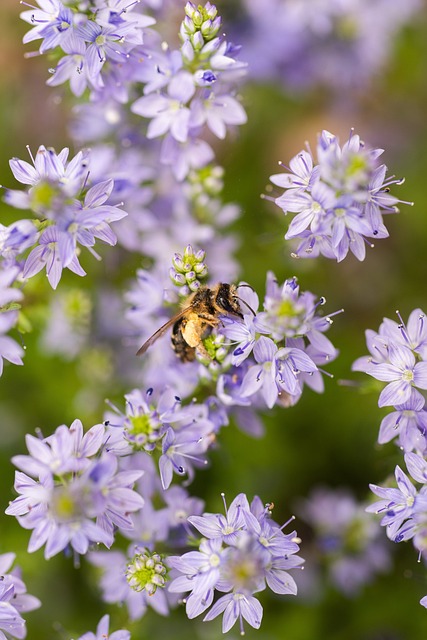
<point>158,334</point>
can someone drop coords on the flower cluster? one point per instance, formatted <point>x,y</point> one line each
<point>252,357</point>
<point>162,424</point>
<point>398,356</point>
<point>71,493</point>
<point>14,599</point>
<point>69,214</point>
<point>346,541</point>
<point>240,554</point>
<point>339,45</point>
<point>99,42</point>
<point>102,632</point>
<point>192,88</point>
<point>340,201</point>
<point>404,508</point>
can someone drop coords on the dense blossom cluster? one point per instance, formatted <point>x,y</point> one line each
<point>149,111</point>
<point>399,357</point>
<point>337,44</point>
<point>14,599</point>
<point>260,359</point>
<point>240,554</point>
<point>340,201</point>
<point>346,543</point>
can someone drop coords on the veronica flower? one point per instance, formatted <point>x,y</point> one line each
<point>72,488</point>
<point>52,22</point>
<point>52,180</point>
<point>67,450</point>
<point>237,606</point>
<point>168,112</point>
<point>116,589</point>
<point>224,527</point>
<point>340,201</point>
<point>73,67</point>
<point>402,373</point>
<point>398,505</point>
<point>102,632</point>
<point>14,598</point>
<point>47,255</point>
<point>236,557</point>
<point>408,423</point>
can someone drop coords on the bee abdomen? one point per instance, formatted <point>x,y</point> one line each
<point>182,349</point>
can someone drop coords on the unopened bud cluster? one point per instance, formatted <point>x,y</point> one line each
<point>188,270</point>
<point>146,571</point>
<point>198,31</point>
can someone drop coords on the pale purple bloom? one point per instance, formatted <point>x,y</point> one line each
<point>226,527</point>
<point>183,449</point>
<point>67,450</point>
<point>47,255</point>
<point>116,590</point>
<point>339,202</point>
<point>397,504</point>
<point>14,600</point>
<point>65,178</point>
<point>168,111</point>
<point>408,423</point>
<point>237,606</point>
<point>52,22</point>
<point>102,632</point>
<point>240,553</point>
<point>73,67</point>
<point>217,112</point>
<point>402,372</point>
<point>72,486</point>
<point>12,625</point>
<point>346,539</point>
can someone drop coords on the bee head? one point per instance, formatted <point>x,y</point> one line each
<point>227,300</point>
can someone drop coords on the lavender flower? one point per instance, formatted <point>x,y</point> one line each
<point>9,304</point>
<point>340,201</point>
<point>256,553</point>
<point>71,489</point>
<point>347,542</point>
<point>398,358</point>
<point>342,46</point>
<point>71,215</point>
<point>14,599</point>
<point>115,588</point>
<point>102,631</point>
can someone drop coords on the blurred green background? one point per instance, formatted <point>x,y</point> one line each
<point>327,439</point>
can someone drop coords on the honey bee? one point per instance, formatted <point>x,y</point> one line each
<point>201,313</point>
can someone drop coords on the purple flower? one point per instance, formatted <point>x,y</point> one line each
<point>67,450</point>
<point>102,632</point>
<point>116,590</point>
<point>72,488</point>
<point>236,606</point>
<point>14,600</point>
<point>52,179</point>
<point>240,553</point>
<point>397,505</point>
<point>346,540</point>
<point>402,372</point>
<point>408,423</point>
<point>226,527</point>
<point>47,255</point>
<point>168,112</point>
<point>340,201</point>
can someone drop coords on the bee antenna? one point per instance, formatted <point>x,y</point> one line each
<point>245,284</point>
<point>244,302</point>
